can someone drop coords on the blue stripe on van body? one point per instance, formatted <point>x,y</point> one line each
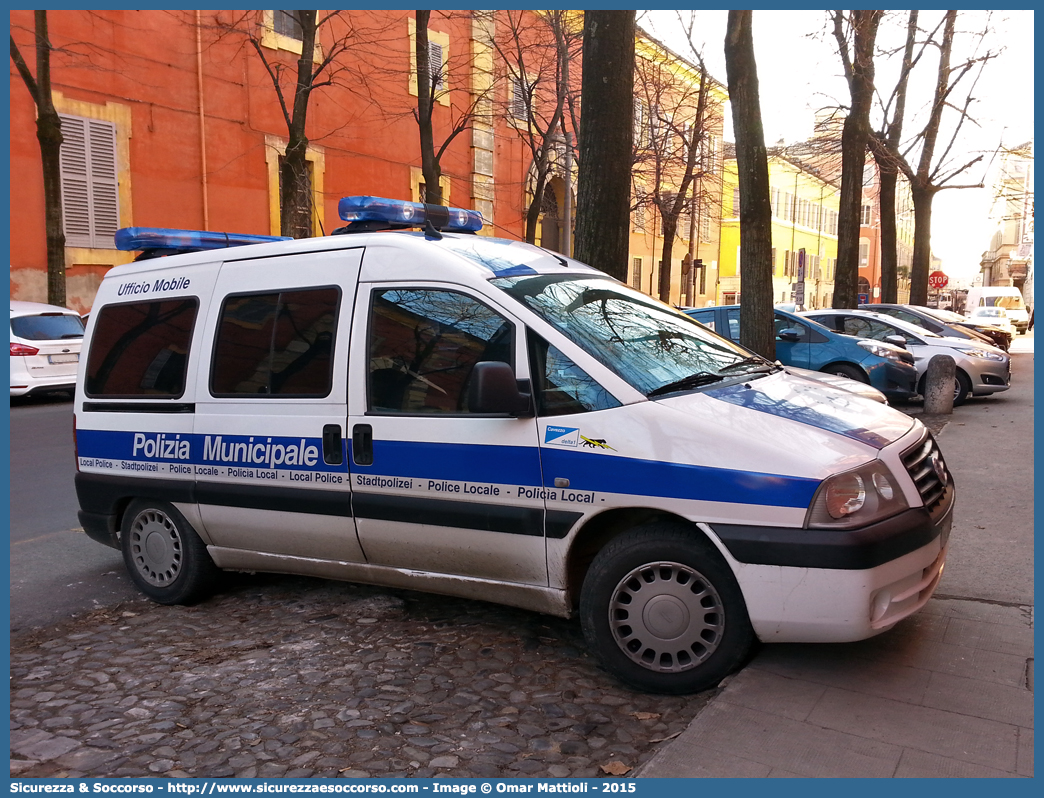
<point>459,462</point>
<point>612,474</point>
<point>754,399</point>
<point>511,465</point>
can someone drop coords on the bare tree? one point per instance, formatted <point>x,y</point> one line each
<point>669,163</point>
<point>932,173</point>
<point>326,38</point>
<point>432,84</point>
<point>606,134</point>
<point>757,330</point>
<point>49,134</point>
<point>858,31</point>
<point>536,51</point>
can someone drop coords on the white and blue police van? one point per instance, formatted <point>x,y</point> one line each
<point>408,404</point>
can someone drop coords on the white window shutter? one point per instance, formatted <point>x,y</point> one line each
<point>435,64</point>
<point>104,182</point>
<point>90,185</point>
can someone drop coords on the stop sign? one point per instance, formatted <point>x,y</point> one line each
<point>938,280</point>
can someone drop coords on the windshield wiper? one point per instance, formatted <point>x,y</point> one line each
<point>745,361</point>
<point>692,381</point>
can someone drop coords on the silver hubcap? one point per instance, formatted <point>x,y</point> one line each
<point>666,616</point>
<point>155,545</point>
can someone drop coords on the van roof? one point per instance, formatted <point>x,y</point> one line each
<point>491,257</point>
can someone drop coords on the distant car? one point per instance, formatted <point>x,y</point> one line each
<point>1000,338</point>
<point>981,369</point>
<point>998,317</point>
<point>927,318</point>
<point>45,348</point>
<point>805,344</point>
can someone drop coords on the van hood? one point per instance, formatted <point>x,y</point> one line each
<point>817,405</point>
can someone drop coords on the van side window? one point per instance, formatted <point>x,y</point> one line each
<point>141,349</point>
<point>276,344</point>
<point>424,344</point>
<point>562,387</point>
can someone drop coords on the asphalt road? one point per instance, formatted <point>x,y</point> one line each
<point>56,570</point>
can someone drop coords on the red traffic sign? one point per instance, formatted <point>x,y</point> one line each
<point>938,280</point>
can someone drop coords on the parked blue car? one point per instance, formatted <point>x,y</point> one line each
<point>807,344</point>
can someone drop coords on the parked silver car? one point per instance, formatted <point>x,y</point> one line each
<point>981,369</point>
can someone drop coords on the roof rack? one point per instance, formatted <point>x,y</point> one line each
<point>155,242</point>
<point>366,214</point>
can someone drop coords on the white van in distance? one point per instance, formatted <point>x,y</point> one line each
<point>994,296</point>
<point>478,417</point>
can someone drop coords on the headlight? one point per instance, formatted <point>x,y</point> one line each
<point>856,498</point>
<point>881,350</point>
<point>983,353</point>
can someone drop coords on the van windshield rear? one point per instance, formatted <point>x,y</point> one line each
<point>645,342</point>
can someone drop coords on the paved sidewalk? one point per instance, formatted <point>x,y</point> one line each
<point>948,692</point>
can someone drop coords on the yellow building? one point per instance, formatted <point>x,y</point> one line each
<point>804,227</point>
<point>666,98</point>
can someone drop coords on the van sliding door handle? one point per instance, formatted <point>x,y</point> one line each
<point>362,444</point>
<point>332,449</point>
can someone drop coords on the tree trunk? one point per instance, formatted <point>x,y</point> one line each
<point>670,230</point>
<point>430,167</point>
<point>854,137</point>
<point>889,239</point>
<point>536,206</point>
<point>295,182</point>
<point>757,331</point>
<point>49,135</point>
<point>922,248</point>
<point>605,141</point>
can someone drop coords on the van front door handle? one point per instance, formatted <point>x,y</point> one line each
<point>362,444</point>
<point>332,449</point>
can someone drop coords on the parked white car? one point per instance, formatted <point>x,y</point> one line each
<point>998,317</point>
<point>45,348</point>
<point>981,369</point>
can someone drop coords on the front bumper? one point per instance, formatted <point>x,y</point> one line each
<point>824,586</point>
<point>895,380</point>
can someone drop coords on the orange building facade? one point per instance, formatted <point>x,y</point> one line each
<point>171,120</point>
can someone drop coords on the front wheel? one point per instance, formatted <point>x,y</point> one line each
<point>165,557</point>
<point>663,612</point>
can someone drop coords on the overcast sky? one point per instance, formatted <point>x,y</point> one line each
<point>799,72</point>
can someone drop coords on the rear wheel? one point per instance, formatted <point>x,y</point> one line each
<point>164,555</point>
<point>846,370</point>
<point>663,612</point>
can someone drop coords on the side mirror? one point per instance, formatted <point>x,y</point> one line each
<point>896,340</point>
<point>493,389</point>
<point>790,335</point>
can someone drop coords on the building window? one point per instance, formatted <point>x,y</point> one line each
<point>90,188</point>
<point>639,219</point>
<point>640,130</point>
<point>636,273</point>
<point>864,254</point>
<point>867,215</point>
<point>285,23</point>
<point>773,260</point>
<point>519,99</point>
<point>438,58</point>
<point>705,228</point>
<point>735,201</point>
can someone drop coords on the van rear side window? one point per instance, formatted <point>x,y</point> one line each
<point>276,344</point>
<point>141,349</point>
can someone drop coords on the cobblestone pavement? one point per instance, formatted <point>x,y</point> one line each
<point>292,677</point>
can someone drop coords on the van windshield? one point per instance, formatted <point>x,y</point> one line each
<point>653,347</point>
<point>1007,302</point>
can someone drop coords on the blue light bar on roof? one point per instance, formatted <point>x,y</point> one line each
<point>130,239</point>
<point>408,214</point>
